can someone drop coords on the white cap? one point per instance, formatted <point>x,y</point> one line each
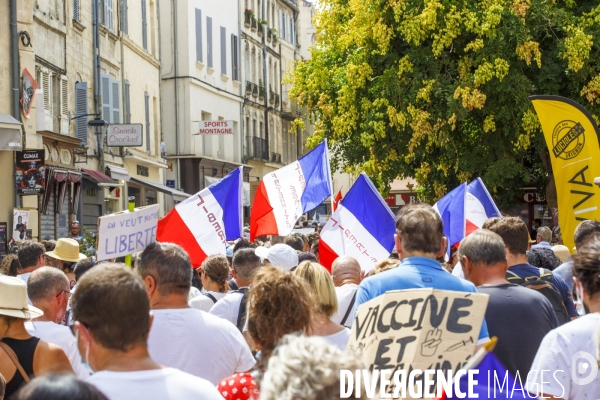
<point>280,255</point>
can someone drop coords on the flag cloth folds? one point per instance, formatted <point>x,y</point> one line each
<point>337,199</point>
<point>479,206</point>
<point>573,138</point>
<point>287,193</point>
<point>203,223</point>
<point>362,227</point>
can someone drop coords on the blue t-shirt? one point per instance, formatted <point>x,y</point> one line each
<point>565,271</point>
<point>414,273</point>
<point>525,270</point>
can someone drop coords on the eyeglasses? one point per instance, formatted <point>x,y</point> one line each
<point>64,291</point>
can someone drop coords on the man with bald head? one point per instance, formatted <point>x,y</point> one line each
<point>346,275</point>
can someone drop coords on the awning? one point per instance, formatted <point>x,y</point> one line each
<point>10,133</point>
<point>100,178</point>
<point>177,195</point>
<point>118,173</point>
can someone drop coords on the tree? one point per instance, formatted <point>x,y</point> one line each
<point>438,90</point>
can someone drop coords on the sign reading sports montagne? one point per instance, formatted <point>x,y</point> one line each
<point>216,128</point>
<point>125,135</point>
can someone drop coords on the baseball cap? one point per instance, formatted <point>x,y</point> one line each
<point>280,255</point>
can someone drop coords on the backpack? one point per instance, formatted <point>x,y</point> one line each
<point>544,285</point>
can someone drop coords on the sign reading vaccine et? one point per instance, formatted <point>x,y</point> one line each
<point>129,135</point>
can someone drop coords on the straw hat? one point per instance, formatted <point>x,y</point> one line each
<point>13,299</point>
<point>67,250</point>
<point>562,252</point>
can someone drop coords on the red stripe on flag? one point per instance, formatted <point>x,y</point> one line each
<point>326,255</point>
<point>337,199</point>
<point>172,229</point>
<point>262,219</point>
<point>470,228</point>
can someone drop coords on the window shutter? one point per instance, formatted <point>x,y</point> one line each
<point>147,106</point>
<point>144,27</point>
<point>115,102</point>
<point>209,48</point>
<point>281,24</point>
<point>124,22</point>
<point>106,89</point>
<point>81,109</point>
<point>64,105</point>
<point>293,32</point>
<point>223,51</point>
<point>76,11</point>
<point>198,35</point>
<point>108,14</point>
<point>127,108</point>
<point>235,68</point>
<point>47,87</point>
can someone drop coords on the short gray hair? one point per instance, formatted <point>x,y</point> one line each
<point>483,247</point>
<point>306,367</point>
<point>545,233</point>
<point>169,265</point>
<point>45,282</point>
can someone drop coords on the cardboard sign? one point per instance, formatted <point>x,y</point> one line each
<point>125,232</point>
<point>423,329</point>
<point>128,135</point>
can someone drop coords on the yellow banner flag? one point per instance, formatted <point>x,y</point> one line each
<point>572,137</point>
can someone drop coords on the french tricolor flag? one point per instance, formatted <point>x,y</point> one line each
<point>203,223</point>
<point>465,209</point>
<point>362,227</point>
<point>287,193</point>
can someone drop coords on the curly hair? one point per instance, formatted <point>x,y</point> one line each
<point>278,303</point>
<point>216,267</point>
<point>543,258</point>
<point>308,368</point>
<point>384,265</point>
<point>586,264</point>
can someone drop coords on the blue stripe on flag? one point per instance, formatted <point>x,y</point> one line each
<point>478,189</point>
<point>366,204</point>
<point>315,167</point>
<point>451,208</point>
<point>228,192</point>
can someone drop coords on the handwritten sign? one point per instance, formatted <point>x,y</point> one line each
<point>125,233</point>
<point>424,329</point>
<point>125,135</point>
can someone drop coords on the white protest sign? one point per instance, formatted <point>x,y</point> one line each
<point>125,232</point>
<point>424,329</point>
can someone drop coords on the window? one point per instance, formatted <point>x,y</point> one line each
<point>223,51</point>
<point>111,105</point>
<point>107,13</point>
<point>235,62</point>
<point>81,128</point>
<point>77,10</point>
<point>144,26</point>
<point>147,110</point>
<point>56,101</point>
<point>124,22</point>
<point>209,47</point>
<point>152,29</point>
<point>198,35</point>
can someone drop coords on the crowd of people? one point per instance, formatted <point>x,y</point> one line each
<point>266,320</point>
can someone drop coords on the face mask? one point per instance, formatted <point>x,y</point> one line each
<point>581,308</point>
<point>85,361</point>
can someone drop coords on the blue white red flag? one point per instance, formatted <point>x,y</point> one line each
<point>362,227</point>
<point>464,210</point>
<point>287,193</point>
<point>203,223</point>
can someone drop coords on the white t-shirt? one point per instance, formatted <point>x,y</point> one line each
<point>228,307</point>
<point>458,271</point>
<point>61,336</point>
<point>194,292</point>
<point>205,303</point>
<point>24,277</point>
<point>556,358</point>
<point>345,293</point>
<point>164,384</point>
<point>340,339</point>
<point>198,343</point>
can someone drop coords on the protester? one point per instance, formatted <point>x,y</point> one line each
<point>279,303</point>
<point>35,356</point>
<point>31,257</point>
<point>10,265</point>
<point>419,241</point>
<point>243,243</point>
<point>75,231</point>
<point>384,265</point>
<point>346,274</point>
<point>213,274</point>
<point>232,307</point>
<point>307,368</point>
<point>280,255</point>
<point>517,316</point>
<point>112,321</point>
<point>314,248</point>
<point>58,387</point>
<point>584,230</point>
<point>48,289</point>
<point>534,226</point>
<point>544,258</point>
<point>515,235</point>
<point>83,266</point>
<point>543,238</point>
<point>321,283</point>
<point>570,350</point>
<point>562,253</point>
<point>295,241</point>
<point>556,233</point>
<point>312,238</point>
<point>306,256</point>
<point>65,255</point>
<point>182,337</point>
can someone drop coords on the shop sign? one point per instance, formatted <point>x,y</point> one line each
<point>216,128</point>
<point>125,135</point>
<point>401,199</point>
<point>30,172</point>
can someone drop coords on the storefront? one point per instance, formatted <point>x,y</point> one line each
<point>100,195</point>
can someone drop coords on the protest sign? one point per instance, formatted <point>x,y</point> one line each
<point>424,329</point>
<point>125,233</point>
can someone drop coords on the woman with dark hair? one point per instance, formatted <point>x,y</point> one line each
<point>213,273</point>
<point>58,387</point>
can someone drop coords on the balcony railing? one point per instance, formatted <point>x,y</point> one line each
<point>260,29</point>
<point>247,18</point>
<point>248,88</point>
<point>257,148</point>
<point>254,89</point>
<point>272,97</point>
<point>276,100</point>
<point>253,23</point>
<point>269,34</point>
<point>261,93</point>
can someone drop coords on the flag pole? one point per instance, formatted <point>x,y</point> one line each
<point>130,208</point>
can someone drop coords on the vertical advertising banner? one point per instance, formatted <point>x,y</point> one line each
<point>572,137</point>
<point>20,221</point>
<point>30,172</point>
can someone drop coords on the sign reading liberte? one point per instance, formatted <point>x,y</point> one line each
<point>216,128</point>
<point>129,135</point>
